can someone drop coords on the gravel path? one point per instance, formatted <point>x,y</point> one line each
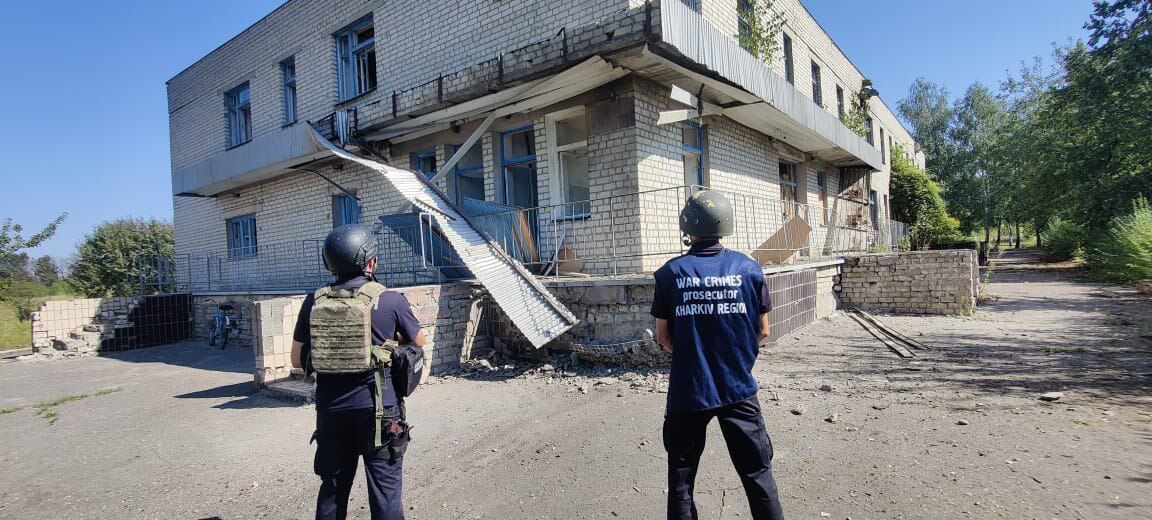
<point>958,432</point>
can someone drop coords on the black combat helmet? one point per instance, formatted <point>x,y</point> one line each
<point>348,249</point>
<point>707,214</point>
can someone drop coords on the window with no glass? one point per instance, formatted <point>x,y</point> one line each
<point>239,115</point>
<point>470,174</point>
<point>242,236</point>
<point>822,188</point>
<point>356,59</point>
<point>425,162</point>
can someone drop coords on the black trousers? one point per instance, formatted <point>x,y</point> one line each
<point>748,446</point>
<point>342,439</point>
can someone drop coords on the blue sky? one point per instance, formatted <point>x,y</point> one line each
<point>86,127</point>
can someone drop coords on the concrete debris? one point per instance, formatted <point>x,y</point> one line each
<point>962,422</point>
<point>825,388</point>
<point>1052,396</point>
<point>832,418</point>
<point>797,410</point>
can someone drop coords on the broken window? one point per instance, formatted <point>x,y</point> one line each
<point>470,174</point>
<point>692,147</point>
<point>239,115</point>
<point>789,70</point>
<point>242,236</point>
<point>518,166</point>
<point>788,188</point>
<point>425,162</point>
<point>568,137</point>
<point>868,130</point>
<point>356,59</point>
<point>817,92</point>
<point>822,188</point>
<point>743,11</point>
<point>345,210</point>
<point>875,206</point>
<point>288,76</point>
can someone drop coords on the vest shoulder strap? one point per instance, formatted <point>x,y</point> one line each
<point>372,290</point>
<point>321,292</point>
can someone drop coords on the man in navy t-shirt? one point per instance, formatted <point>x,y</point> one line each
<point>345,403</point>
<point>711,308</point>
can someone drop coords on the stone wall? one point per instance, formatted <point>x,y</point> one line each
<point>446,314</point>
<point>89,325</point>
<point>615,311</point>
<point>919,282</point>
<point>57,322</point>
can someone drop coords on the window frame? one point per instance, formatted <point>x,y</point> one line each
<point>242,237</point>
<point>506,161</point>
<point>467,171</point>
<point>822,190</point>
<point>840,106</point>
<point>792,185</point>
<point>556,151</point>
<point>789,60</point>
<point>883,148</point>
<point>288,90</point>
<point>349,84</point>
<point>743,28</point>
<point>416,157</point>
<point>869,130</point>
<point>817,87</point>
<point>238,115</point>
<point>692,4</point>
<point>341,204</point>
<point>701,176</point>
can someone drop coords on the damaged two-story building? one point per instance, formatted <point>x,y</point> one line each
<point>569,133</point>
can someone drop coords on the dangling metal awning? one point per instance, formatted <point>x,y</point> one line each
<point>534,310</point>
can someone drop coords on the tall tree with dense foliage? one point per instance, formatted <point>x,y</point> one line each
<point>109,260</point>
<point>928,111</point>
<point>13,243</point>
<point>46,270</point>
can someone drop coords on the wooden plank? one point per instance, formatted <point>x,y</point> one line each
<point>893,332</point>
<point>899,349</point>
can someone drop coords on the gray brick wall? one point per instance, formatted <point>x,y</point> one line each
<point>919,282</point>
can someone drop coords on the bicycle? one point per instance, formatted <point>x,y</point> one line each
<point>223,324</point>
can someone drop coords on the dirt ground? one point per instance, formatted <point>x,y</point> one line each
<point>958,432</point>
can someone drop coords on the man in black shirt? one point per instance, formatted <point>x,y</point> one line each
<point>345,403</point>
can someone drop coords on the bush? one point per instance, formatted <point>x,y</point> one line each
<point>916,200</point>
<point>1063,239</point>
<point>1123,252</point>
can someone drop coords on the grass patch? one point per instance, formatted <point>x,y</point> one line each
<point>13,332</point>
<point>46,408</point>
<point>10,410</point>
<point>16,332</point>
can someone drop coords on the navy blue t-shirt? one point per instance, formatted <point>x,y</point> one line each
<point>392,316</point>
<point>712,298</point>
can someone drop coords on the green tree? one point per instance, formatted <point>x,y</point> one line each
<point>760,31</point>
<point>12,243</point>
<point>975,180</point>
<point>46,270</point>
<point>927,110</point>
<point>109,260</point>
<point>916,200</point>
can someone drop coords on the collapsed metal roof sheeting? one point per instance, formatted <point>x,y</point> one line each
<point>534,310</point>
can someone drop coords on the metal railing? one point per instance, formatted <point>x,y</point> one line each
<point>621,234</point>
<point>289,266</point>
<point>637,232</point>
